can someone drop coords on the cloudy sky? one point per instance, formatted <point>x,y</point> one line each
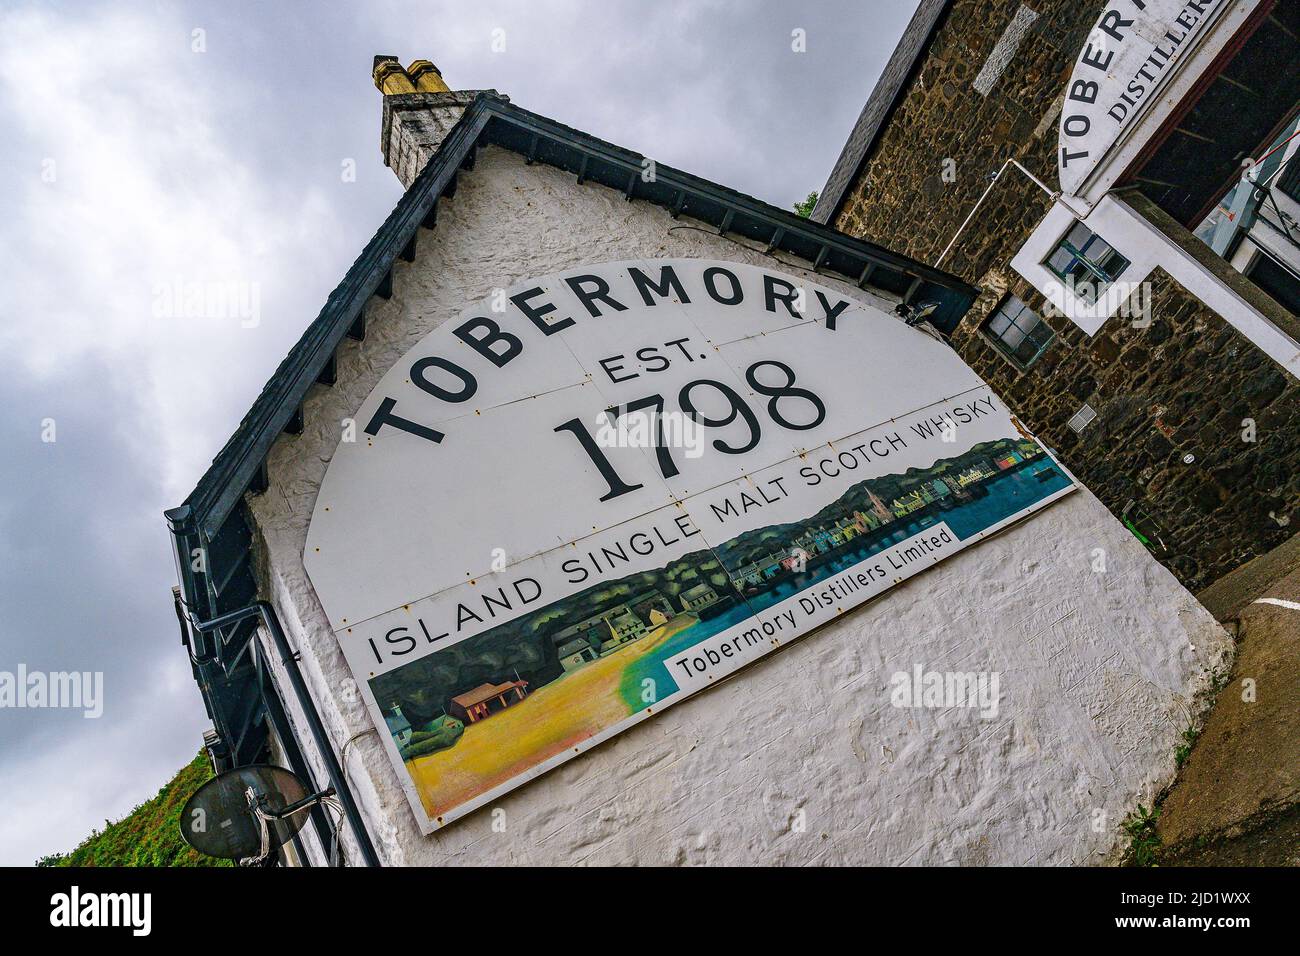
<point>147,145</point>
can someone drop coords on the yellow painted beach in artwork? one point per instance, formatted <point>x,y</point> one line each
<point>553,718</point>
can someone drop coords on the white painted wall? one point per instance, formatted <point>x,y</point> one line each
<point>800,758</point>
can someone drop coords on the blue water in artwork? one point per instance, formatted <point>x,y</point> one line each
<point>1007,495</point>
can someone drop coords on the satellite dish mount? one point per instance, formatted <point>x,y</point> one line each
<point>247,813</point>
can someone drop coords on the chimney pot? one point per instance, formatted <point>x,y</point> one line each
<point>389,76</point>
<point>427,77</point>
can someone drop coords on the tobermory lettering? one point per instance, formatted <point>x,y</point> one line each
<point>1126,57</point>
<point>536,314</point>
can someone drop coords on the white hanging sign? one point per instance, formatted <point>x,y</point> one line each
<point>1128,57</point>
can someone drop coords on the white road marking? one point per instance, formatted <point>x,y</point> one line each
<point>1291,605</point>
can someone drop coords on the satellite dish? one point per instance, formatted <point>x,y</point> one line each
<point>246,813</point>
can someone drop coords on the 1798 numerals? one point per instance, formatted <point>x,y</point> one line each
<point>788,405</point>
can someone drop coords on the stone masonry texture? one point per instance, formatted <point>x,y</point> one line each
<point>1187,384</point>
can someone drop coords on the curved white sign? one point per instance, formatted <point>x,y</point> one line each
<point>595,493</point>
<point>1129,56</point>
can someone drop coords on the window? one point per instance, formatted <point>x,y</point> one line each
<point>1085,262</point>
<point>1018,332</point>
<point>1266,273</point>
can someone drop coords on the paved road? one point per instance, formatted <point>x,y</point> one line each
<point>1237,800</point>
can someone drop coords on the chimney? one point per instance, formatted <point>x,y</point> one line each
<point>419,110</point>
<point>426,77</point>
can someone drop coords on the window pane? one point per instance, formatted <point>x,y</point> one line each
<point>1113,265</point>
<point>1012,308</point>
<point>1018,331</point>
<point>1289,179</point>
<point>1025,352</point>
<point>1041,334</point>
<point>1060,261</point>
<point>1027,322</point>
<point>1082,277</point>
<point>1020,313</point>
<point>1013,336</point>
<point>1082,255</point>
<point>1098,249</point>
<point>1078,235</point>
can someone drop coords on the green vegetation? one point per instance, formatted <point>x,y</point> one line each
<point>805,208</point>
<point>439,736</point>
<point>1218,681</point>
<point>150,835</point>
<point>1145,845</point>
<point>1144,841</point>
<point>1184,750</point>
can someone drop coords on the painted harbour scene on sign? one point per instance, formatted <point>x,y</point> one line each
<point>586,498</point>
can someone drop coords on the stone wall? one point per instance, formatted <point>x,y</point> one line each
<point>1181,386</point>
<point>1189,384</point>
<point>945,140</point>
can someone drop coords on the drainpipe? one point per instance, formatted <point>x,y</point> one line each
<point>1055,195</point>
<point>267,613</point>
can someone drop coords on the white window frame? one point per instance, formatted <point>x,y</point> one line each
<point>1145,247</point>
<point>1121,233</point>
